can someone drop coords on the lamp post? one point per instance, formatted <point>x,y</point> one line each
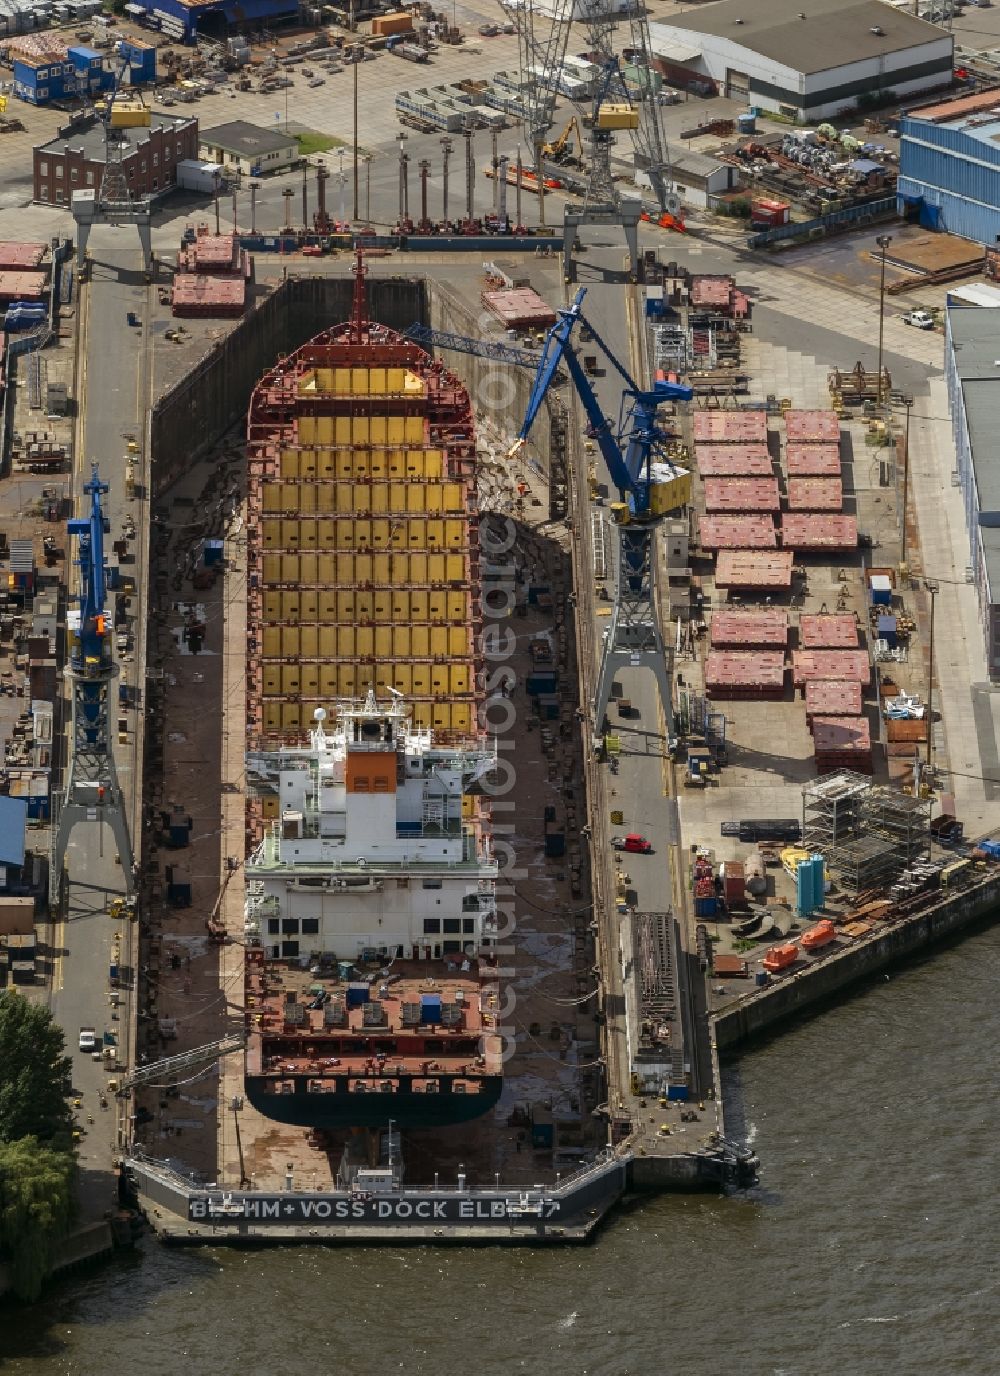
<point>932,588</point>
<point>354,74</point>
<point>883,241</point>
<point>908,403</point>
<point>368,189</point>
<point>343,179</point>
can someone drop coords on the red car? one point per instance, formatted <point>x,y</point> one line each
<point>633,842</point>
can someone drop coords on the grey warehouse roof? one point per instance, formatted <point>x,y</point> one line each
<point>975,333</point>
<point>831,34</point>
<point>244,138</point>
<point>90,137</point>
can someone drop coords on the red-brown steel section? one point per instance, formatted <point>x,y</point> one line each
<point>830,664</point>
<point>730,427</point>
<point>737,532</point>
<point>828,534</point>
<point>812,427</point>
<point>813,460</point>
<point>745,570</point>
<point>832,698</point>
<point>733,461</point>
<point>742,494</point>
<point>838,631</point>
<point>762,628</point>
<point>736,674</point>
<point>815,494</point>
<point>842,743</point>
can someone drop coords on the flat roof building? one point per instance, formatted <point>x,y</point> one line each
<point>949,166</point>
<point>805,59</point>
<point>76,162</point>
<point>972,345</point>
<point>248,148</point>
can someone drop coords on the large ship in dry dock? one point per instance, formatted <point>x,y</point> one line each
<point>370,978</point>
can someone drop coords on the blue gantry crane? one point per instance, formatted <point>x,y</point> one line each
<point>649,486</point>
<point>92,792</point>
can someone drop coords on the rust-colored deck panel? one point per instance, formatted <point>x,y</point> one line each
<point>841,734</point>
<point>833,698</point>
<point>17,255</point>
<point>813,460</point>
<point>733,461</point>
<point>815,494</point>
<point>758,673</point>
<point>837,631</point>
<point>754,570</point>
<point>818,532</point>
<point>761,628</point>
<point>812,427</point>
<point>742,494</point>
<point>730,427</point>
<point>830,664</point>
<point>737,532</point>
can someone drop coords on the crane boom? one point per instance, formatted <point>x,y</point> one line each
<point>629,471</point>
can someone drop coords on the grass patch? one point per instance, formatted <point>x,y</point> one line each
<point>310,142</point>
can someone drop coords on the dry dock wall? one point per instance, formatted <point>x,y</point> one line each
<point>799,993</point>
<point>193,416</point>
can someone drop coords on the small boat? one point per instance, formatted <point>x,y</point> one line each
<point>792,857</point>
<point>821,935</point>
<point>780,957</point>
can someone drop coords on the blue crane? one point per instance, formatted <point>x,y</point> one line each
<point>90,645</point>
<point>462,344</point>
<point>92,792</point>
<point>630,471</point>
<point>630,451</point>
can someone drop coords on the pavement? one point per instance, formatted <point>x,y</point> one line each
<point>110,388</point>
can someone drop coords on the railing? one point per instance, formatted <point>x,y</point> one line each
<point>870,210</point>
<point>268,855</point>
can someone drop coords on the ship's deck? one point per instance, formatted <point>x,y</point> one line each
<point>446,1030</point>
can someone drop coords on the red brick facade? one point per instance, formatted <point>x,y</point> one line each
<point>67,165</point>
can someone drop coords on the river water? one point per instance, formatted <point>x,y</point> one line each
<point>870,1246</point>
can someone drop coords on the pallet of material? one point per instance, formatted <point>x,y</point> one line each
<point>838,631</point>
<point>742,494</point>
<point>819,533</point>
<point>813,460</point>
<point>737,532</point>
<point>763,628</point>
<point>830,664</point>
<point>842,743</point>
<point>745,674</point>
<point>815,494</point>
<point>733,461</point>
<point>832,698</point>
<point>909,731</point>
<point>743,570</point>
<point>730,427</point>
<point>812,427</point>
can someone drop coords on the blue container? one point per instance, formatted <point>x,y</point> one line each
<point>430,1008</point>
<point>881,590</point>
<point>542,1135</point>
<point>344,968</point>
<point>212,553</point>
<point>357,994</point>
<point>555,844</point>
<point>677,1093</point>
<point>543,681</point>
<point>761,978</point>
<point>747,123</point>
<point>706,907</point>
<point>886,630</point>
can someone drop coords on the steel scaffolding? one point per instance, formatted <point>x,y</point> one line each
<point>868,834</point>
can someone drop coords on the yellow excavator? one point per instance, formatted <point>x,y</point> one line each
<point>560,149</point>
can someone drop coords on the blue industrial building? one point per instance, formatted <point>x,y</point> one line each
<point>972,345</point>
<point>82,73</point>
<point>949,167</point>
<point>185,19</point>
<point>140,61</point>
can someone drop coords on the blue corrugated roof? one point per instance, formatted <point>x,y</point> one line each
<point>13,817</point>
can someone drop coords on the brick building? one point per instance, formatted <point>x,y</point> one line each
<point>75,161</point>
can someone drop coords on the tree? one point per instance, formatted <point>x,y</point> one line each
<point>36,1209</point>
<point>35,1075</point>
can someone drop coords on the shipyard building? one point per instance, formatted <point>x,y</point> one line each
<point>75,161</point>
<point>949,166</point>
<point>805,59</point>
<point>973,378</point>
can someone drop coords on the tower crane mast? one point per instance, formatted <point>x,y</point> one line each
<point>649,487</point>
